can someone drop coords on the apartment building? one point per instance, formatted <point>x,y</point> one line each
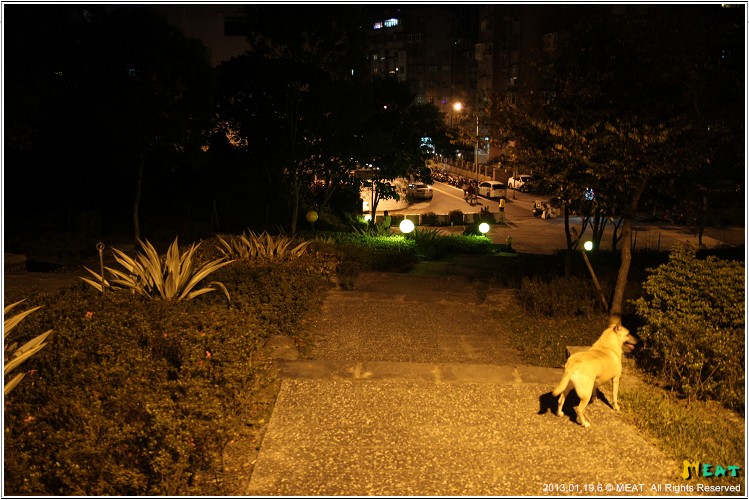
<point>431,47</point>
<point>218,26</point>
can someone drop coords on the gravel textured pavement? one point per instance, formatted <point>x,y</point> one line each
<point>409,389</point>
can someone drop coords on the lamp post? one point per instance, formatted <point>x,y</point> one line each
<point>476,153</point>
<point>587,247</point>
<point>458,107</point>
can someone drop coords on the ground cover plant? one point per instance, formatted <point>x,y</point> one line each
<point>139,397</point>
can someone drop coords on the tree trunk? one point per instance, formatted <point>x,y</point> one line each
<point>617,301</point>
<point>615,236</point>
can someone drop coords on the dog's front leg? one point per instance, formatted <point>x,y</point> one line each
<point>615,381</point>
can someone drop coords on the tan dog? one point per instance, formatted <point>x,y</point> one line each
<point>587,370</point>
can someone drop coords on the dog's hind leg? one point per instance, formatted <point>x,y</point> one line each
<point>560,401</point>
<point>585,394</point>
<point>561,390</point>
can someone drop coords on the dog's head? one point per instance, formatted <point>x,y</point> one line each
<point>623,335</point>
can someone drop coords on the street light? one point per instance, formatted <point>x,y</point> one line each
<point>458,107</point>
<point>406,226</point>
<point>587,247</point>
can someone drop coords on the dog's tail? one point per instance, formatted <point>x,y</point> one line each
<point>562,384</point>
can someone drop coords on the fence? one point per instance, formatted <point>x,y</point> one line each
<point>468,169</point>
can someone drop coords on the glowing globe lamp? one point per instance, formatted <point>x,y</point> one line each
<point>588,246</point>
<point>484,228</point>
<point>311,216</point>
<point>406,226</point>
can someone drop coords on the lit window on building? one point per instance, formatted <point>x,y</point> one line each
<point>391,23</point>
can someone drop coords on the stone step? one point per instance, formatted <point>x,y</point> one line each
<point>418,372</point>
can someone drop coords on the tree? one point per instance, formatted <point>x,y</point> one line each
<point>316,50</point>
<point>155,88</point>
<point>306,107</point>
<point>119,85</point>
<point>390,140</point>
<point>616,127</point>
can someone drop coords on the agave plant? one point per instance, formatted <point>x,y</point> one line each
<point>15,355</point>
<point>376,230</point>
<point>261,246</point>
<point>174,277</point>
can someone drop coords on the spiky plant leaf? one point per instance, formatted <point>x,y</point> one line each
<point>173,277</point>
<point>14,355</point>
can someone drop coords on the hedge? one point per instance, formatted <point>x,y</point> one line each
<point>693,311</point>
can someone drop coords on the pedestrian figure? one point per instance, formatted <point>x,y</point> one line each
<point>470,194</point>
<point>502,210</point>
<point>386,220</point>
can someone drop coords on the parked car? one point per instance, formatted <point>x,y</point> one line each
<point>419,191</point>
<point>492,189</point>
<point>521,183</point>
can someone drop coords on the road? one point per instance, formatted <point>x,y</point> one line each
<point>535,235</point>
<point>447,198</point>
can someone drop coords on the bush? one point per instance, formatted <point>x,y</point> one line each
<point>456,217</point>
<point>694,326</point>
<point>137,397</point>
<point>571,296</point>
<point>429,219</point>
<point>375,253</point>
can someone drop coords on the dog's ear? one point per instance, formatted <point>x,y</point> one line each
<point>615,322</point>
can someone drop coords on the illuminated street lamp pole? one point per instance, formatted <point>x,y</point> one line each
<point>476,153</point>
<point>458,107</point>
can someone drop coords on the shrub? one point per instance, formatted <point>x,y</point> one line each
<point>456,217</point>
<point>140,398</point>
<point>433,244</point>
<point>429,219</point>
<point>561,296</point>
<point>261,246</point>
<point>694,326</point>
<point>375,253</point>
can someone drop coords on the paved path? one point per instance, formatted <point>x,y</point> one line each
<point>411,389</point>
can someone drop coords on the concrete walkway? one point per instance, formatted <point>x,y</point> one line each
<point>411,389</point>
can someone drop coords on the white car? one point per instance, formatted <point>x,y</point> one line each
<point>520,183</point>
<point>419,191</point>
<point>492,189</point>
